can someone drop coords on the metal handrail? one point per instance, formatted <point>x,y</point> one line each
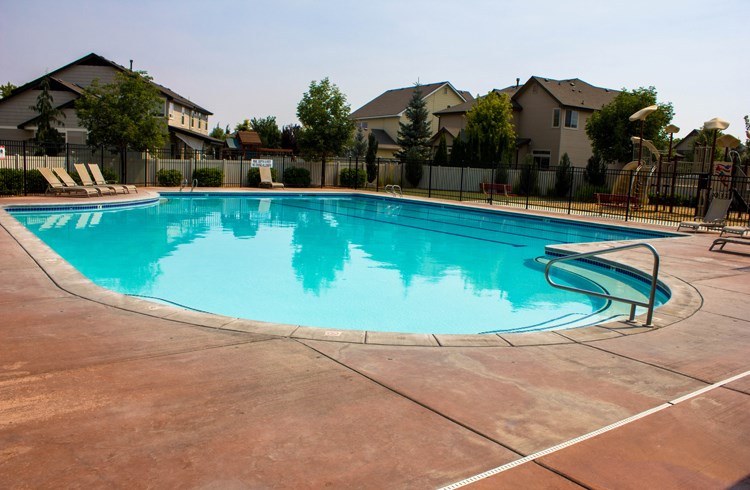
<point>393,188</point>
<point>633,303</point>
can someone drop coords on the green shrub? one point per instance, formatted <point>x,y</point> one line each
<point>351,177</point>
<point>253,176</point>
<point>169,178</point>
<point>296,177</point>
<point>11,182</point>
<point>209,177</point>
<point>110,175</point>
<point>563,177</point>
<point>528,182</point>
<point>501,174</point>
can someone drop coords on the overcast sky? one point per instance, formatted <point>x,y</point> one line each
<point>244,59</point>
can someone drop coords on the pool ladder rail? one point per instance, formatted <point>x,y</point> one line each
<point>394,190</point>
<point>633,303</point>
<point>185,184</point>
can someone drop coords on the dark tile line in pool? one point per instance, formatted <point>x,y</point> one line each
<point>77,207</point>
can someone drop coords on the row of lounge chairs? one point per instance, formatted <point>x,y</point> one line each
<point>714,219</point>
<point>60,182</point>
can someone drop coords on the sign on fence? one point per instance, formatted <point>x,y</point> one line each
<point>257,162</point>
<point>2,153</point>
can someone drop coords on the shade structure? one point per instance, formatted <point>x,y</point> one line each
<point>643,113</point>
<point>727,141</point>
<point>716,123</point>
<point>671,129</point>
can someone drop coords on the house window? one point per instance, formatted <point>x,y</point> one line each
<point>362,125</point>
<point>556,117</point>
<point>541,158</point>
<point>571,119</point>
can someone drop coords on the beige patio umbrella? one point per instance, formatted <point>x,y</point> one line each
<point>715,125</point>
<point>641,116</point>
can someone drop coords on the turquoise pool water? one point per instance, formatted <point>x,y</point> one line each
<point>339,262</point>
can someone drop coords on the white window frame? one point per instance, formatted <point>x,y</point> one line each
<point>571,119</point>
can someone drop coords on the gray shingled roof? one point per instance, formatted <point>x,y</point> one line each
<point>393,102</point>
<point>574,92</point>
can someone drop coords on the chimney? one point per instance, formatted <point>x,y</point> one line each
<point>131,65</point>
<point>518,82</point>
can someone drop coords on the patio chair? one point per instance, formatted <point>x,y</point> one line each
<point>56,187</point>
<point>735,230</point>
<point>68,181</point>
<point>99,179</point>
<point>86,180</point>
<point>266,179</point>
<point>715,216</point>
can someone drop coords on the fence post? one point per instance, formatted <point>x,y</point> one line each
<point>630,192</point>
<point>356,172</point>
<point>570,188</point>
<point>24,168</point>
<point>377,176</point>
<point>242,175</point>
<point>429,183</point>
<point>461,186</point>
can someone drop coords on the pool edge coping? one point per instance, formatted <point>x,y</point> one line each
<point>684,302</point>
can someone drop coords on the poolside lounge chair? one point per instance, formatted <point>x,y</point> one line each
<point>266,179</point>
<point>83,173</point>
<point>715,216</point>
<point>735,230</point>
<point>56,187</point>
<point>720,242</point>
<point>96,173</point>
<point>68,181</point>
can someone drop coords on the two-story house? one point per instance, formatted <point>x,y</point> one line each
<point>187,122</point>
<point>549,117</point>
<point>382,115</point>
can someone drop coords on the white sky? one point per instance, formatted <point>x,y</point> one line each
<point>245,59</point>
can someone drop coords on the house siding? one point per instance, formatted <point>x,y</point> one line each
<point>83,75</point>
<point>18,109</point>
<point>575,142</point>
<point>535,122</point>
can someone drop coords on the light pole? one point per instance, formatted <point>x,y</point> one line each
<point>671,129</point>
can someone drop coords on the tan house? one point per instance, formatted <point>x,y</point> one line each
<point>549,117</point>
<point>187,122</point>
<point>382,115</point>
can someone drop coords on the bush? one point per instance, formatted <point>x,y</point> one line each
<point>168,178</point>
<point>596,171</point>
<point>563,177</point>
<point>296,177</point>
<point>528,182</point>
<point>208,177</point>
<point>110,175</point>
<point>253,177</point>
<point>11,182</point>
<point>501,174</point>
<point>351,177</point>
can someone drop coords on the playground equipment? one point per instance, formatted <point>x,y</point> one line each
<point>637,183</point>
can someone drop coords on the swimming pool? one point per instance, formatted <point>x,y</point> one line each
<point>363,263</point>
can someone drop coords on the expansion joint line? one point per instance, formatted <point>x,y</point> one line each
<point>545,452</point>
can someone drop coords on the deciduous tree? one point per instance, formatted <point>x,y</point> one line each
<point>268,130</point>
<point>6,89</point>
<point>489,126</point>
<point>610,130</point>
<point>289,137</point>
<point>326,126</point>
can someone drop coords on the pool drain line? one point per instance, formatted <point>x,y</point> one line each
<point>595,433</point>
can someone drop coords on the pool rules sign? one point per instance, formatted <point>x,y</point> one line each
<point>257,162</point>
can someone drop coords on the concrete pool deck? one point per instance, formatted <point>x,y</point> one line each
<point>96,391</point>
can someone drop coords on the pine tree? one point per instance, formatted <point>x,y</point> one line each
<point>441,155</point>
<point>414,136</point>
<point>49,139</point>
<point>371,156</point>
<point>563,178</point>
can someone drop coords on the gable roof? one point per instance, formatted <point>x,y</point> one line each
<point>94,59</point>
<point>383,138</point>
<point>392,103</point>
<point>572,92</point>
<point>466,106</point>
<point>249,138</point>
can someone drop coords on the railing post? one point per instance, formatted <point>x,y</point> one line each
<point>24,168</point>
<point>241,174</point>
<point>356,171</point>
<point>570,188</point>
<point>377,175</point>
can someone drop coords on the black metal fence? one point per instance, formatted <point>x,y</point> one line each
<point>663,194</point>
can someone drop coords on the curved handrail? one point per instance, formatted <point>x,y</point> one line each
<point>394,189</point>
<point>633,303</point>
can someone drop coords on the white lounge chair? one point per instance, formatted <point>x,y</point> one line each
<point>96,173</point>
<point>266,179</point>
<point>715,216</point>
<point>69,182</point>
<point>56,187</point>
<point>87,181</point>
